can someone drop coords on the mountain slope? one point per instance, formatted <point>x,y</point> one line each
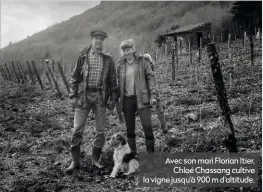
<point>142,21</point>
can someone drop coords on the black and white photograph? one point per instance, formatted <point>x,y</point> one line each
<point>145,96</point>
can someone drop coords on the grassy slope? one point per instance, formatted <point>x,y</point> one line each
<point>35,127</point>
<point>142,21</point>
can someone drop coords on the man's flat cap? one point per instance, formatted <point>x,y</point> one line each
<point>98,32</point>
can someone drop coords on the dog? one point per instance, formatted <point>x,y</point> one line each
<point>122,157</point>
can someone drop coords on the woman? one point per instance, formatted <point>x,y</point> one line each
<point>137,93</point>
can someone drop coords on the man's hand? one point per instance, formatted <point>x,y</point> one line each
<point>73,102</point>
<point>111,105</point>
<point>153,102</point>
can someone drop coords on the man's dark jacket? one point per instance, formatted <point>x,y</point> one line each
<point>78,82</point>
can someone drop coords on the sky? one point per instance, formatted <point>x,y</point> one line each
<point>20,19</point>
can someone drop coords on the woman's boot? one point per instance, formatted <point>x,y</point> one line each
<point>132,144</point>
<point>150,146</point>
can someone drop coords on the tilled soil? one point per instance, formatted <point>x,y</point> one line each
<point>36,126</point>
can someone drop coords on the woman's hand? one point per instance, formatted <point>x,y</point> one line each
<point>73,101</point>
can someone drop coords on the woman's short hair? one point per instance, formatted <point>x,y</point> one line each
<point>129,43</point>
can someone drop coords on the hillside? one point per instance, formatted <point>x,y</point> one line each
<point>142,21</point>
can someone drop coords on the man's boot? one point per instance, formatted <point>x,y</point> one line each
<point>75,153</point>
<point>96,151</point>
<point>150,146</point>
<point>132,144</point>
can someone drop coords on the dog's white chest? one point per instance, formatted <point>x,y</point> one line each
<point>119,153</point>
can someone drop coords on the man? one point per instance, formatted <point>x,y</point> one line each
<point>92,83</point>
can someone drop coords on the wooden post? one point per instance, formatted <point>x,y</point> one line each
<point>201,108</point>
<point>53,66</point>
<point>20,76</point>
<point>166,62</point>
<point>21,72</point>
<point>250,103</point>
<point>222,97</point>
<point>65,67</point>
<point>257,35</point>
<point>9,75</point>
<point>251,50</point>
<point>191,73</point>
<point>54,79</point>
<point>156,55</point>
<point>190,51</point>
<point>174,54</point>
<point>260,34</point>
<point>14,69</point>
<point>198,60</point>
<point>43,70</point>
<point>229,41</point>
<point>173,66</point>
<point>30,73</point>
<point>49,80</point>
<point>221,38</point>
<point>160,109</point>
<point>229,48</point>
<point>37,74</point>
<point>180,47</point>
<point>245,37</point>
<point>3,73</point>
<point>197,73</point>
<point>213,38</point>
<point>200,50</point>
<point>230,81</point>
<point>176,50</point>
<point>63,76</point>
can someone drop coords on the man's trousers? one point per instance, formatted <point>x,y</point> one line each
<point>94,103</point>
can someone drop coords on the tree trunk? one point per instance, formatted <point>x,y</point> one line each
<point>222,97</point>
